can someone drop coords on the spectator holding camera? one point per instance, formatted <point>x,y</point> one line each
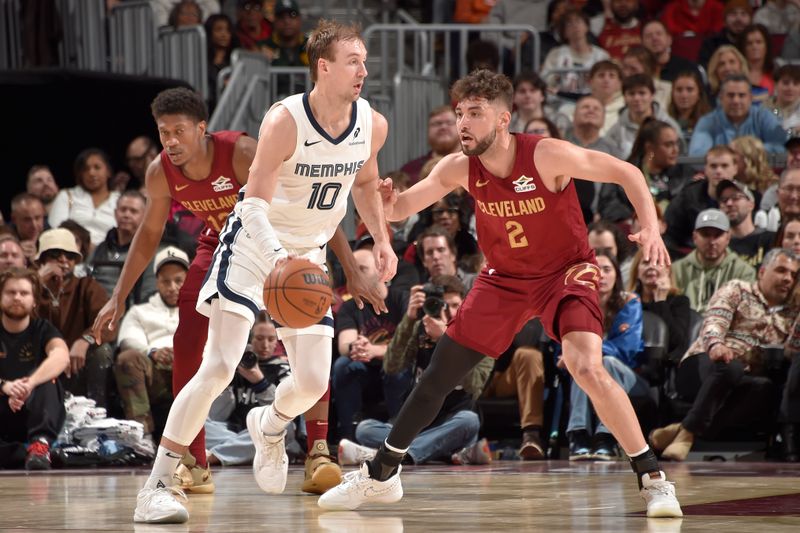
<point>454,432</point>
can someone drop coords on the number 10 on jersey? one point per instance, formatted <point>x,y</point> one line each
<point>323,195</point>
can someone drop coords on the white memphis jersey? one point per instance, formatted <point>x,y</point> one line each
<point>314,184</point>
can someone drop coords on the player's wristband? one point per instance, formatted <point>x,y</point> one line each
<point>254,213</point>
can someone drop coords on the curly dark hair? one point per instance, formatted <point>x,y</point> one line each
<point>180,101</point>
<point>484,83</point>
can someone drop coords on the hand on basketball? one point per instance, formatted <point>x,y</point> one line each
<point>280,262</point>
<point>388,196</point>
<point>386,260</point>
<point>111,313</point>
<point>653,249</point>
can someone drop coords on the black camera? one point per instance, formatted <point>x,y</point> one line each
<point>249,359</point>
<point>434,300</point>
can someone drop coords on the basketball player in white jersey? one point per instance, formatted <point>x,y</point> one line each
<point>312,149</point>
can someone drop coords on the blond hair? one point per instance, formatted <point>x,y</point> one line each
<point>713,80</point>
<point>757,173</point>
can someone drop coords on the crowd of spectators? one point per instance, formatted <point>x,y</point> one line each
<point>611,80</point>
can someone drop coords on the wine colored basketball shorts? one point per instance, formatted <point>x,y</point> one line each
<point>498,306</point>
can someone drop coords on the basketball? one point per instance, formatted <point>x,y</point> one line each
<point>297,294</point>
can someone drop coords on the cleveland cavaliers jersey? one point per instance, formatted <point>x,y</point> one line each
<point>314,184</point>
<point>524,229</point>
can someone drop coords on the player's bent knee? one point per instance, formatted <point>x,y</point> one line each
<point>312,386</point>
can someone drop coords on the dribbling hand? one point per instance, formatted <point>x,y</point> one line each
<point>653,249</point>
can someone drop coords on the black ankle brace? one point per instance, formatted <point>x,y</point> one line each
<point>645,463</point>
<point>385,463</point>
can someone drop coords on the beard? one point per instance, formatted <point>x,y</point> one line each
<point>481,145</point>
<point>16,312</point>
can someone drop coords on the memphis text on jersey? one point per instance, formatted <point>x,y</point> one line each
<point>328,170</point>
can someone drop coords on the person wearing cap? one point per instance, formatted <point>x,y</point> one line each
<point>737,16</point>
<point>286,47</point>
<point>736,200</point>
<point>71,304</point>
<point>723,371</point>
<point>712,263</point>
<point>143,368</point>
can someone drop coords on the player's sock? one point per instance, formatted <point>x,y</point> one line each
<point>198,449</point>
<point>644,462</point>
<point>317,420</point>
<point>273,422</point>
<point>164,466</point>
<point>386,461</point>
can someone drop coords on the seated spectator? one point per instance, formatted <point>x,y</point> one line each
<point>142,150</point>
<point>688,102</point>
<point>605,84</point>
<point>737,16</point>
<point>27,221</point>
<point>622,346</point>
<point>143,369</point>
<point>90,203</point>
<point>753,168</point>
<point>11,254</point>
<point>790,402</point>
<point>737,202</point>
<point>442,139</point>
<point>785,103</point>
<point>454,432</point>
<point>657,39</point>
<point>791,45</point>
<point>639,60</point>
<point>286,46</point>
<point>655,152</point>
<point>363,337</point>
<point>726,61</point>
<point>789,236</point>
<point>712,263</point>
<point>34,355</point>
<point>550,37</point>
<point>83,240</point>
<point>453,215</point>
<point>656,287</point>
<point>700,17</point>
<point>257,376</point>
<point>621,30</point>
<point>109,256</point>
<point>42,184</point>
<point>438,254</point>
<point>779,16</point>
<point>722,372</point>
<point>788,207</point>
<point>251,26</point>
<point>185,13</point>
<point>162,9</point>
<point>220,42</point>
<point>71,304</point>
<point>756,46</point>
<point>530,98</point>
<point>737,116</point>
<point>639,94</point>
<point>607,238</point>
<point>577,55</point>
<point>696,196</point>
<point>542,126</point>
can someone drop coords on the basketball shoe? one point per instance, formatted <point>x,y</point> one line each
<point>160,506</point>
<point>659,494</point>
<point>358,488</point>
<point>38,455</point>
<point>351,453</point>
<point>321,472</point>
<point>270,465</point>
<point>193,478</point>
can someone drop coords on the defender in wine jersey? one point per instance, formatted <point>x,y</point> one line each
<point>313,151</point>
<point>539,264</point>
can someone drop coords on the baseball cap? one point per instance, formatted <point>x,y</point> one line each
<point>363,242</point>
<point>744,189</point>
<point>286,6</point>
<point>58,239</point>
<point>170,254</point>
<point>712,218</point>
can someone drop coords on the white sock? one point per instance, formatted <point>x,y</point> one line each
<point>164,466</point>
<point>273,422</point>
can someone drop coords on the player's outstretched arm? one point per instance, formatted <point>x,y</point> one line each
<point>142,249</point>
<point>558,161</point>
<point>448,174</point>
<point>369,205</point>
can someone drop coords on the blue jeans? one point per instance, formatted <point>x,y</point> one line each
<point>435,442</point>
<point>352,380</point>
<point>581,414</point>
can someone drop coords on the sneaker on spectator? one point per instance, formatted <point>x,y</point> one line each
<point>321,471</point>
<point>531,448</point>
<point>579,445</point>
<point>38,457</point>
<point>477,454</point>
<point>659,494</point>
<point>351,453</point>
<point>604,447</point>
<point>193,478</point>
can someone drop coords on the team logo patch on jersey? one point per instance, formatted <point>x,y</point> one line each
<point>524,184</point>
<point>222,184</point>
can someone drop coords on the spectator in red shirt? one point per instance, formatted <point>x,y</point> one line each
<point>701,17</point>
<point>622,29</point>
<point>251,26</point>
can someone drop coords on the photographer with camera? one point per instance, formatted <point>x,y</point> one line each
<point>454,432</point>
<point>257,376</point>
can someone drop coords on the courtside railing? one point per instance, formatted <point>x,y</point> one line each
<point>132,38</point>
<point>10,35</point>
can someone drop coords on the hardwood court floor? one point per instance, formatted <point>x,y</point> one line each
<point>505,496</point>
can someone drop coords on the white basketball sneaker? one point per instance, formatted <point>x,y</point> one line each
<point>270,465</point>
<point>357,488</point>
<point>160,506</point>
<point>660,497</point>
<point>351,453</point>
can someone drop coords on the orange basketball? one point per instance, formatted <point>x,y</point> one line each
<point>297,294</point>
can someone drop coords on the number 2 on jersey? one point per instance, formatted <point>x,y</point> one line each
<point>323,195</point>
<point>516,234</point>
